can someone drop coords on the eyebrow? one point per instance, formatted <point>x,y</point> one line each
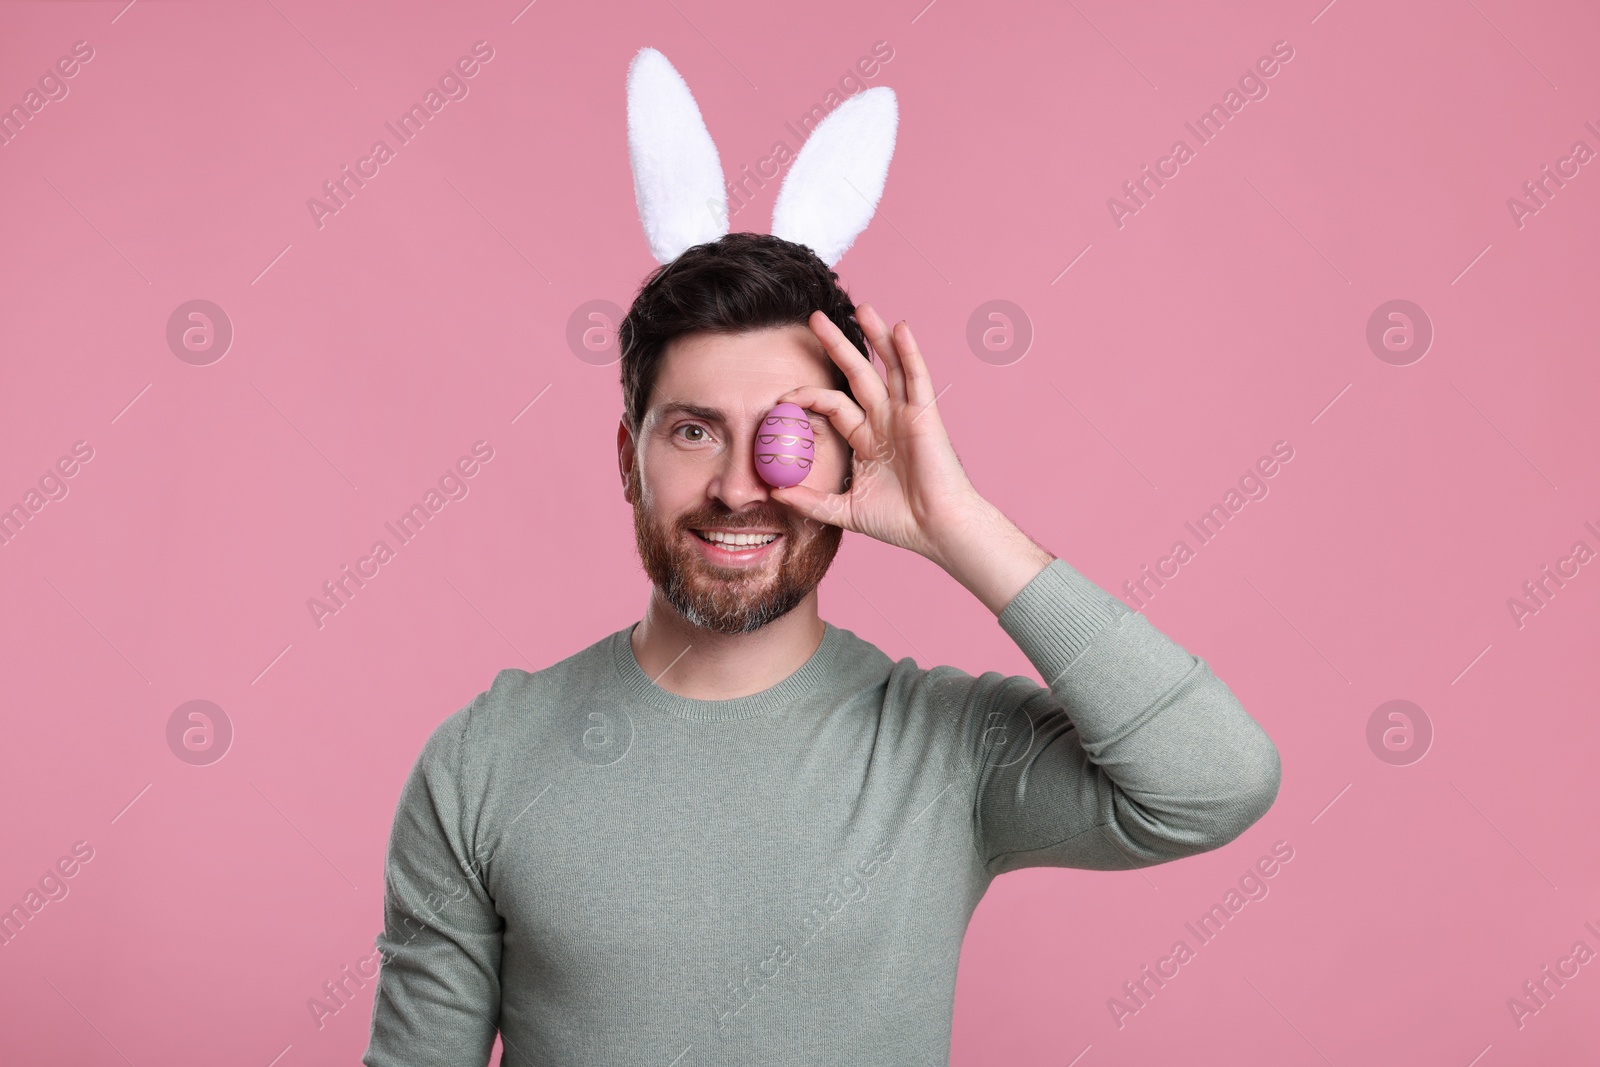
<point>665,411</point>
<point>683,407</point>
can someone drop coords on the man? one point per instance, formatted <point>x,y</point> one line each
<point>732,833</point>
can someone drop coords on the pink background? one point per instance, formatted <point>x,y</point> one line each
<point>1229,313</point>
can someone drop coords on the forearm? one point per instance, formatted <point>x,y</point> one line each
<point>989,555</point>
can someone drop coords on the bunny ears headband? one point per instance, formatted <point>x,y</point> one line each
<point>827,198</point>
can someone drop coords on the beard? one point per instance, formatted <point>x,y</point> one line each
<point>731,600</point>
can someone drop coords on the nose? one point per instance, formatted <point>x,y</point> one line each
<point>737,484</point>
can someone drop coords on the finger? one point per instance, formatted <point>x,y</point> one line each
<point>858,369</point>
<point>919,383</point>
<point>877,332</point>
<point>842,414</point>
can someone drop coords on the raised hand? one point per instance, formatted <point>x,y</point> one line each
<point>908,488</point>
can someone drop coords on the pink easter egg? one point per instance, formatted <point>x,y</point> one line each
<point>785,446</point>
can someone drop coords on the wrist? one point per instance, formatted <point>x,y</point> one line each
<point>989,554</point>
<point>963,529</point>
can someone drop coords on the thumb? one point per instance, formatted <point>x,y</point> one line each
<point>797,497</point>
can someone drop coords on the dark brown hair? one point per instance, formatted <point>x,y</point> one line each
<point>737,283</point>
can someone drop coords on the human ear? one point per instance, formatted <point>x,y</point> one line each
<point>625,456</point>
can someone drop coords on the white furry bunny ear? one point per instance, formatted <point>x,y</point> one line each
<point>832,190</point>
<point>677,176</point>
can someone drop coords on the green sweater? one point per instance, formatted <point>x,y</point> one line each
<point>611,874</point>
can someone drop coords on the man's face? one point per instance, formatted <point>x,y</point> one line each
<point>695,471</point>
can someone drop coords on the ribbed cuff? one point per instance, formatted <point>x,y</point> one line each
<point>1057,615</point>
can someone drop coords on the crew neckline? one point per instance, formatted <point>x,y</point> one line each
<point>810,675</point>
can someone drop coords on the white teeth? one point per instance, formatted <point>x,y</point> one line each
<point>739,539</point>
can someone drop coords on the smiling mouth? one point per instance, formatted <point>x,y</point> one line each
<point>728,547</point>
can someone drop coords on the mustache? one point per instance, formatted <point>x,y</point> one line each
<point>728,522</point>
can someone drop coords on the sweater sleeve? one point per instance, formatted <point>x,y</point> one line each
<point>438,996</point>
<point>1136,754</point>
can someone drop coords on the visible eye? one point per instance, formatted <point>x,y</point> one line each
<point>692,426</point>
